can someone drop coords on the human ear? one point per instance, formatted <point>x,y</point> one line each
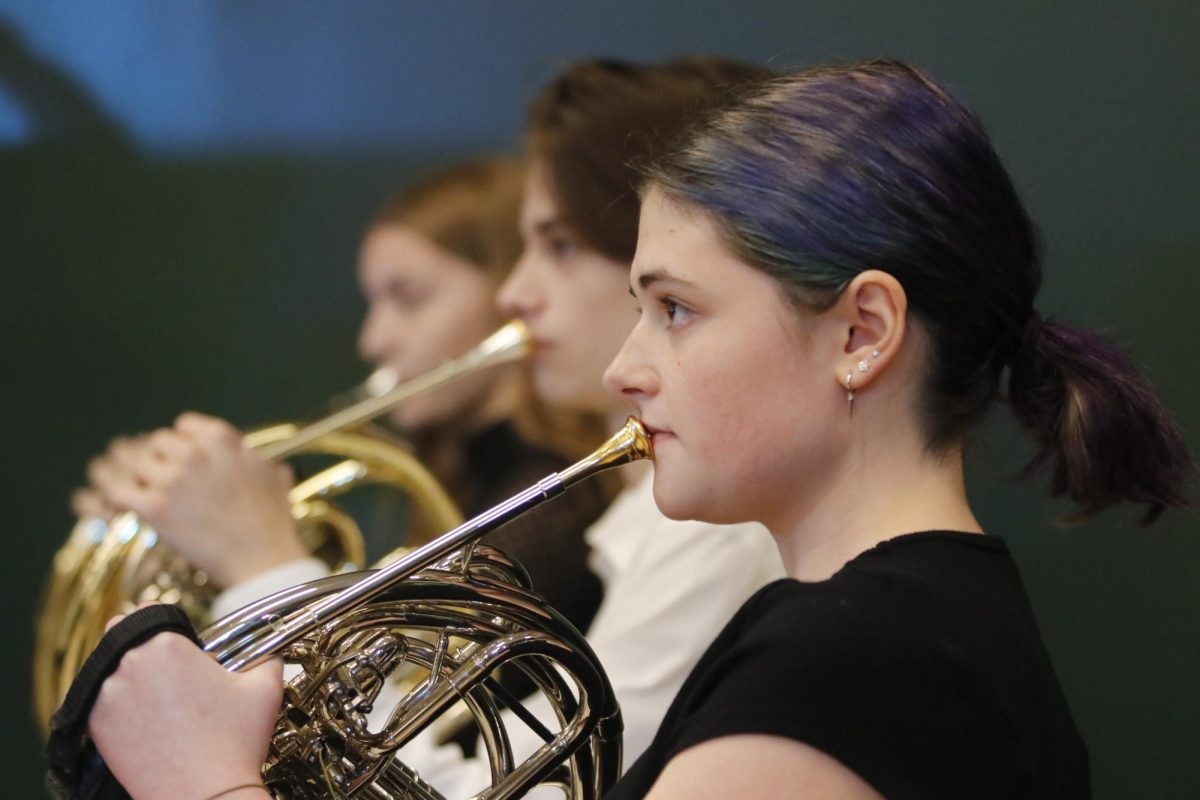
<point>871,314</point>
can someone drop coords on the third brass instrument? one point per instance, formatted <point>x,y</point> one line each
<point>108,568</point>
<point>453,612</point>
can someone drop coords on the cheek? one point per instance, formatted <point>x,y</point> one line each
<point>723,405</point>
<point>743,423</point>
<point>585,339</point>
<point>456,324</point>
<point>448,406</point>
<point>556,381</point>
<point>791,447</point>
<point>470,327</point>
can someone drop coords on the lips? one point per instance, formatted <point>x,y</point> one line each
<point>657,435</point>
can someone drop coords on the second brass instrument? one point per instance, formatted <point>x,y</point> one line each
<point>108,568</point>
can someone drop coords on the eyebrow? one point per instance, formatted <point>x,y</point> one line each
<point>394,281</point>
<point>548,226</point>
<point>648,279</point>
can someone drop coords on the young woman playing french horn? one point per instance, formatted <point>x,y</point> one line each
<point>833,275</point>
<point>428,266</point>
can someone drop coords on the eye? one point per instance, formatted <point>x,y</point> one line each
<point>408,297</point>
<point>562,247</point>
<point>677,313</point>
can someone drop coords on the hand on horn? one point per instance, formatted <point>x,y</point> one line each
<point>89,503</point>
<point>221,505</point>
<point>170,722</point>
<point>107,469</point>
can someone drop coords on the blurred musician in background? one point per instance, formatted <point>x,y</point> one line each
<point>429,265</point>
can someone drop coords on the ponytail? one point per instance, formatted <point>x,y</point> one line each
<point>1100,429</point>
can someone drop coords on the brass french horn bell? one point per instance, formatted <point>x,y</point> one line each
<point>108,568</point>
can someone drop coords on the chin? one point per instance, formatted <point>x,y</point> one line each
<point>679,503</point>
<point>547,387</point>
<point>675,504</point>
<point>419,421</point>
<point>559,392</point>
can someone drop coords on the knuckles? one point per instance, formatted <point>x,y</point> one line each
<point>139,675</point>
<point>210,430</point>
<point>150,659</point>
<point>154,507</point>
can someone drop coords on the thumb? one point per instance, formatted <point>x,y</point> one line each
<point>269,673</point>
<point>261,692</point>
<point>264,686</point>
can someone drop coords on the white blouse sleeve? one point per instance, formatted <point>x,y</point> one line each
<point>264,583</point>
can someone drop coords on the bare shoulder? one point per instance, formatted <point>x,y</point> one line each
<point>758,766</point>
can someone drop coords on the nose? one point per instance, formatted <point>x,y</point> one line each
<point>631,375</point>
<point>518,296</point>
<point>374,343</point>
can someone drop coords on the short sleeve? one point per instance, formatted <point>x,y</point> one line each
<point>825,671</point>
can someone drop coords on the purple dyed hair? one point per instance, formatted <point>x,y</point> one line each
<point>817,176</point>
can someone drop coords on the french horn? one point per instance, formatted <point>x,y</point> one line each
<point>109,567</point>
<point>453,612</point>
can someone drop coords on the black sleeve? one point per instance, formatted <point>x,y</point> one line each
<point>829,672</point>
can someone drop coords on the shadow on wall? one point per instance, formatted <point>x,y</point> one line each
<point>56,107</point>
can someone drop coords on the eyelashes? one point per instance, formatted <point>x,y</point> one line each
<point>562,248</point>
<point>675,312</point>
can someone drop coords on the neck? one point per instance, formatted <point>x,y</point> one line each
<point>443,448</point>
<point>885,486</point>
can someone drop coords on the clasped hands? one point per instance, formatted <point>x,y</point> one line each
<point>218,503</point>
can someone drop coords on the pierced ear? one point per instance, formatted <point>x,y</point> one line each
<point>873,310</point>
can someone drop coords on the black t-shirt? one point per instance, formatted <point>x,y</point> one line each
<point>919,666</point>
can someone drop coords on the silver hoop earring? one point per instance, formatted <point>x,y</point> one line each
<point>849,395</point>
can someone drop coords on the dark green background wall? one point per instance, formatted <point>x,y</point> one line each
<point>136,284</point>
